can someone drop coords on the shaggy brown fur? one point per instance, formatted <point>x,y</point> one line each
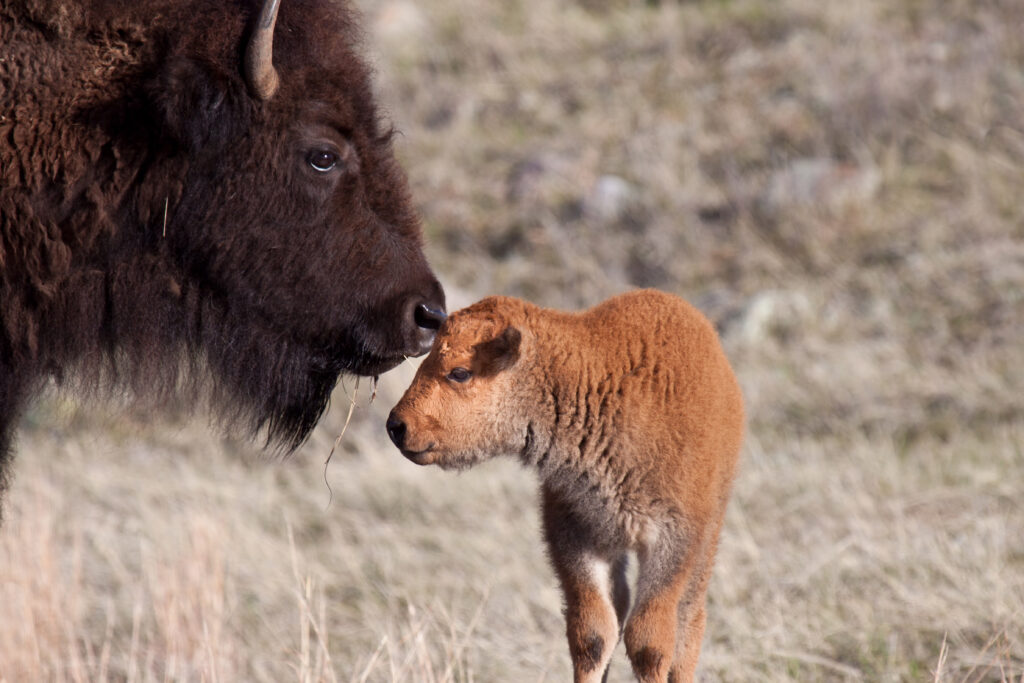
<point>159,223</point>
<point>633,418</point>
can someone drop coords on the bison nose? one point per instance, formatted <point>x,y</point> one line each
<point>396,430</point>
<point>425,318</point>
<point>429,317</point>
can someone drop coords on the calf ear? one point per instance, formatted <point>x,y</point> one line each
<point>499,353</point>
<point>198,103</point>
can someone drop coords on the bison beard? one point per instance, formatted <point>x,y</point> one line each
<point>164,229</point>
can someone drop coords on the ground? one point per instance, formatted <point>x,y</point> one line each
<point>837,185</point>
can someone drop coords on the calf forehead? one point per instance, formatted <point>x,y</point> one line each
<point>465,329</point>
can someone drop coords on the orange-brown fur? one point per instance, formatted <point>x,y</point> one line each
<point>633,418</point>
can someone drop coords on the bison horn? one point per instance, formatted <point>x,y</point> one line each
<point>260,74</point>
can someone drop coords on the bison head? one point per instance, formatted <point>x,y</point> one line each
<point>276,214</point>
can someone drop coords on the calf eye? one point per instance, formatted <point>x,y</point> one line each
<point>459,375</point>
<point>322,160</point>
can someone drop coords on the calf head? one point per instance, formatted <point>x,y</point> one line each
<point>464,404</point>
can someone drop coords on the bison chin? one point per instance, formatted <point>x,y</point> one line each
<point>284,386</point>
<point>268,384</point>
<point>280,389</point>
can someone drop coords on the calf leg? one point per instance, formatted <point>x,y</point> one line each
<point>620,588</point>
<point>691,633</point>
<point>693,613</point>
<point>665,573</point>
<point>585,575</point>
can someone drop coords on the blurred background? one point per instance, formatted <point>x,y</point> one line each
<point>837,185</point>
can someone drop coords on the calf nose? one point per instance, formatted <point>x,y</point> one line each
<point>396,430</point>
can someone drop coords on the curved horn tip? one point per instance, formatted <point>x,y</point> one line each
<point>260,73</point>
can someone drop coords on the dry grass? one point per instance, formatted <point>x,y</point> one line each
<point>836,184</point>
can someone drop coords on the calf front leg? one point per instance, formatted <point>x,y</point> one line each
<point>591,625</point>
<point>585,575</point>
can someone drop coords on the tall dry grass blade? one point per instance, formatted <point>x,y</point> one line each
<point>308,622</point>
<point>459,644</point>
<point>368,669</point>
<point>108,639</point>
<point>413,645</point>
<point>133,648</point>
<point>940,665</point>
<point>988,666</point>
<point>344,428</point>
<point>212,670</point>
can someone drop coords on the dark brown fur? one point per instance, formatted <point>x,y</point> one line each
<point>633,418</point>
<point>158,223</point>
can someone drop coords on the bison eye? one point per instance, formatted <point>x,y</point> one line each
<point>459,375</point>
<point>322,160</point>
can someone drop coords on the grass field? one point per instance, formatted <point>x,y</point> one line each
<point>837,185</point>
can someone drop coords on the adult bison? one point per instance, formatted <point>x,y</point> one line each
<point>186,192</point>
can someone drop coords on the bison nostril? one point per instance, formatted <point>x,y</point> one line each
<point>429,317</point>
<point>396,430</point>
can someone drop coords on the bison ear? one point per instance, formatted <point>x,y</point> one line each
<point>199,103</point>
<point>499,353</point>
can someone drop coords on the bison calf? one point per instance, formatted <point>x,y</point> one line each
<point>633,418</point>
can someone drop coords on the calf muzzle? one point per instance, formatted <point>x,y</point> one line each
<point>396,430</point>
